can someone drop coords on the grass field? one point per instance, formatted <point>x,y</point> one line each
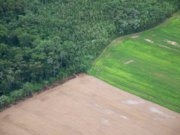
<point>146,64</point>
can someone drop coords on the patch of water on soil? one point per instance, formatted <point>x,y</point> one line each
<point>133,102</point>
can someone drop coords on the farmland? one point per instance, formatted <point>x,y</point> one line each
<point>146,64</point>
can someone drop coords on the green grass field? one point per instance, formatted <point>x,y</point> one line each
<point>146,64</point>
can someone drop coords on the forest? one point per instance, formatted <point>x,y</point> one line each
<point>42,41</point>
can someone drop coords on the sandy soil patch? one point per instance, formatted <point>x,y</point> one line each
<point>108,55</point>
<point>99,66</point>
<point>159,75</point>
<point>118,42</point>
<point>128,62</point>
<point>167,47</point>
<point>164,46</point>
<point>135,36</point>
<point>172,43</point>
<point>133,102</point>
<point>148,40</point>
<point>88,106</point>
<point>155,110</point>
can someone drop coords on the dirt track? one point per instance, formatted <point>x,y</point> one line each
<point>88,106</point>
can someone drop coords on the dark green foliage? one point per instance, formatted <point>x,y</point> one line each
<point>17,95</point>
<point>3,33</point>
<point>49,39</point>
<point>27,89</point>
<point>4,101</point>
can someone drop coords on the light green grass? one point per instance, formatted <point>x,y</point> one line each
<point>155,73</point>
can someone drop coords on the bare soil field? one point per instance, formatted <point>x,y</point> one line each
<point>86,105</point>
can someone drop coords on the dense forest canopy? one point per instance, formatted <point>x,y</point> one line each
<point>44,40</point>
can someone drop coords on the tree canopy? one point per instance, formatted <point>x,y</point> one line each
<point>44,40</point>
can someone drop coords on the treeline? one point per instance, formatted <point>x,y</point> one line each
<point>45,40</point>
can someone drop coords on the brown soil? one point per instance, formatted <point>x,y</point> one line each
<point>88,106</point>
<point>148,40</point>
<point>108,55</point>
<point>128,62</point>
<point>172,43</point>
<point>135,36</point>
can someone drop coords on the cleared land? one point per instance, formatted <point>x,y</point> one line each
<point>146,64</point>
<point>88,106</point>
